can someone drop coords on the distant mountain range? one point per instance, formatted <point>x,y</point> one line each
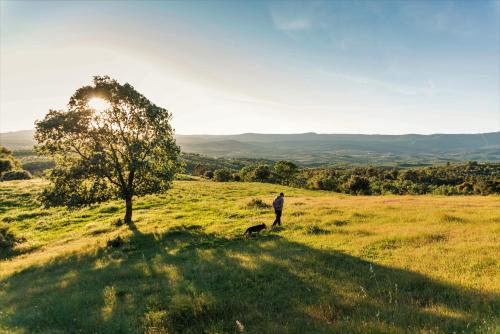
<point>326,149</point>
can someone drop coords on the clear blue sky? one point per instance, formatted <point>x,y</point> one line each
<point>256,66</point>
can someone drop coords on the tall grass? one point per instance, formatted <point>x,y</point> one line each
<point>339,264</point>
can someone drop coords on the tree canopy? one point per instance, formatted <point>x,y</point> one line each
<point>286,170</point>
<point>123,149</point>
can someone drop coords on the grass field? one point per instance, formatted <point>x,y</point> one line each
<point>339,264</point>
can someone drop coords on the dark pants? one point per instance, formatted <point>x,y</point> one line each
<point>277,221</point>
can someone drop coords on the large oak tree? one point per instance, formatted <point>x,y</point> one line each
<point>121,150</point>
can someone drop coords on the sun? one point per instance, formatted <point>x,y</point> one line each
<point>98,104</point>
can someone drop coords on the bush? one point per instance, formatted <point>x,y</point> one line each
<point>487,187</point>
<point>254,173</point>
<point>466,188</point>
<point>5,152</point>
<point>199,170</point>
<point>7,161</point>
<point>325,180</point>
<point>247,172</point>
<point>390,188</point>
<point>209,174</point>
<point>262,173</point>
<point>7,238</point>
<point>257,203</point>
<point>6,165</point>
<point>222,175</point>
<point>16,175</point>
<point>357,185</point>
<point>315,229</point>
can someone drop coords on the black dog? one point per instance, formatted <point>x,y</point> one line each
<point>256,229</point>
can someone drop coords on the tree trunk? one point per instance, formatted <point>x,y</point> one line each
<point>128,210</point>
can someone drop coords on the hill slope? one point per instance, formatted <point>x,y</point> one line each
<point>340,264</point>
<point>321,149</point>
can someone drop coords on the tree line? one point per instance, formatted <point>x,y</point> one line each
<point>451,179</point>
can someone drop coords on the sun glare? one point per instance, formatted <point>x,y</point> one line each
<point>98,104</point>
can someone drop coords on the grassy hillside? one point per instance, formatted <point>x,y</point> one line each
<point>340,264</point>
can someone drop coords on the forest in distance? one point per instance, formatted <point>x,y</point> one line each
<point>466,178</point>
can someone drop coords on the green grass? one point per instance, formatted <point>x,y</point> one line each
<point>339,264</point>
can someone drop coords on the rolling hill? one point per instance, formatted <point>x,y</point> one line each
<point>313,149</point>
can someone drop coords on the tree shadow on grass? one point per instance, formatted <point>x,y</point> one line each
<point>8,253</point>
<point>189,281</point>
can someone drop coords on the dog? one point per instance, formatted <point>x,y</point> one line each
<point>254,229</point>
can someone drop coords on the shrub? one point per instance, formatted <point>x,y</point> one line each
<point>486,187</point>
<point>5,152</point>
<point>375,187</point>
<point>299,181</point>
<point>199,170</point>
<point>16,175</point>
<point>247,173</point>
<point>6,165</point>
<point>262,173</point>
<point>357,185</point>
<point>315,229</point>
<point>325,180</point>
<point>253,173</point>
<point>466,188</point>
<point>222,175</point>
<point>7,160</point>
<point>390,188</point>
<point>257,203</point>
<point>7,238</point>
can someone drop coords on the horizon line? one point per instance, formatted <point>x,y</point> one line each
<point>316,133</point>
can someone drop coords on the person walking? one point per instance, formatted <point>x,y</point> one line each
<point>278,208</point>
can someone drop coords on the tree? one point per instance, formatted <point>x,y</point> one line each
<point>358,185</point>
<point>247,173</point>
<point>10,168</point>
<point>5,152</point>
<point>208,174</point>
<point>7,161</point>
<point>6,165</point>
<point>199,169</point>
<point>262,173</point>
<point>222,175</point>
<point>286,171</point>
<point>126,149</point>
<point>325,180</point>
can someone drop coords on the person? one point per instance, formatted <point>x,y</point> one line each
<point>278,208</point>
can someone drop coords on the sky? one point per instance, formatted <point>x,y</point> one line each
<point>228,67</point>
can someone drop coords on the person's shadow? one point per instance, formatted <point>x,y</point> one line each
<point>189,281</point>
